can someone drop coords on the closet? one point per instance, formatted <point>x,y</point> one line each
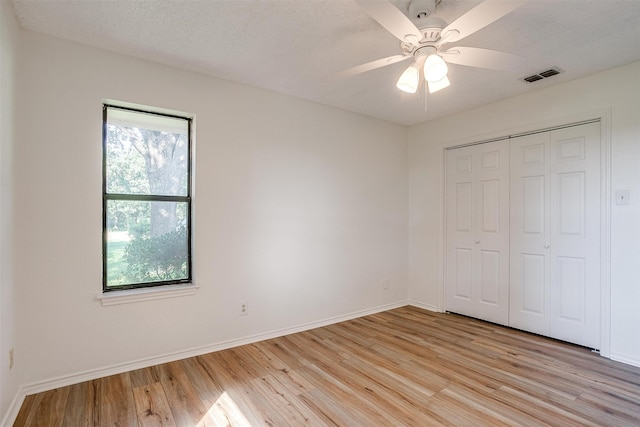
<point>523,232</point>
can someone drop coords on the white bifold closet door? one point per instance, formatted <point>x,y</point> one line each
<point>555,234</point>
<point>477,230</point>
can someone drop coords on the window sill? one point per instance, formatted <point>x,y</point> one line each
<point>146,294</point>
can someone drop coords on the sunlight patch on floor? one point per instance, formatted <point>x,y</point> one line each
<point>224,412</point>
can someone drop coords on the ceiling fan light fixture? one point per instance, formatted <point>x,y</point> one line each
<point>435,69</point>
<point>409,80</point>
<point>439,85</point>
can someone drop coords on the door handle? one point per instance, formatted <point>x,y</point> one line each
<point>477,241</point>
<point>546,246</point>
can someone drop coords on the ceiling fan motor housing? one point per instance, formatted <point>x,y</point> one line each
<point>430,36</point>
<point>421,12</point>
<point>420,9</point>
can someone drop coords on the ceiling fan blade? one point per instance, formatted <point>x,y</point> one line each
<point>483,58</point>
<point>477,18</point>
<point>383,62</point>
<point>392,19</point>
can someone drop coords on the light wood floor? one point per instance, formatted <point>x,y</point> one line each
<point>402,367</point>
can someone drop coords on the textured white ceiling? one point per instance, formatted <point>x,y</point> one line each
<point>293,46</point>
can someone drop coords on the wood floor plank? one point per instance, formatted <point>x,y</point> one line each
<point>142,377</point>
<point>293,381</point>
<point>240,360</point>
<point>238,394</point>
<point>47,409</point>
<point>454,373</point>
<point>395,390</point>
<point>359,329</point>
<point>329,410</point>
<point>81,409</point>
<point>350,333</point>
<point>350,395</point>
<point>402,367</point>
<point>541,408</point>
<point>449,407</point>
<point>264,358</point>
<point>616,407</point>
<point>487,404</point>
<point>424,382</point>
<point>223,412</point>
<point>257,406</point>
<point>313,348</point>
<point>187,408</point>
<point>289,406</point>
<point>116,401</point>
<point>279,349</point>
<point>203,380</point>
<point>375,353</point>
<point>152,407</point>
<point>404,412</point>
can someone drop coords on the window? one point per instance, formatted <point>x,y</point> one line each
<point>146,197</point>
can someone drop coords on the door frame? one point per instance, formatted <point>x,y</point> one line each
<point>604,117</point>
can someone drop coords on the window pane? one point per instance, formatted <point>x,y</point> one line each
<point>146,153</point>
<point>146,242</point>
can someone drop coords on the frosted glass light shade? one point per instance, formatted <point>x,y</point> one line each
<point>409,80</point>
<point>440,84</point>
<point>435,68</point>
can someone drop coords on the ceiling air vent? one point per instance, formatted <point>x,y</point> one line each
<point>542,75</point>
<point>533,78</point>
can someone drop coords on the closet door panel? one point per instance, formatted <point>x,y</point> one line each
<point>460,230</point>
<point>477,264</point>
<point>489,277</point>
<point>534,271</point>
<point>570,286</point>
<point>570,209</point>
<point>490,206</point>
<point>533,192</point>
<point>575,282</point>
<point>492,232</point>
<point>530,233</point>
<point>462,281</point>
<point>463,207</point>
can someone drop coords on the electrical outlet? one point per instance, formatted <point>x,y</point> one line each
<point>385,283</point>
<point>11,359</point>
<point>244,308</point>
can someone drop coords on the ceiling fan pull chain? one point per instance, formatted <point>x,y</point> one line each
<point>426,90</point>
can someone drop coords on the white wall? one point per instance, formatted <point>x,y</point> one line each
<point>616,91</point>
<point>300,209</point>
<point>9,40</point>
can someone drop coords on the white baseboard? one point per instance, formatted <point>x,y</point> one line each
<point>13,410</point>
<point>66,380</point>
<point>425,306</point>
<point>624,359</point>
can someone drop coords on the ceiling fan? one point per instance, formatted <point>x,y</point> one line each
<point>425,41</point>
